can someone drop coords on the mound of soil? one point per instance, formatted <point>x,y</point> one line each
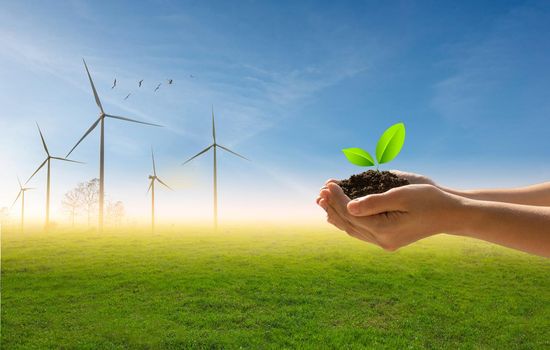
<point>370,182</point>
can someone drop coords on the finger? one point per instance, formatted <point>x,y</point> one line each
<point>331,181</point>
<point>325,193</point>
<point>334,219</point>
<point>341,223</point>
<point>323,204</point>
<point>373,204</point>
<point>398,172</point>
<point>338,199</point>
<point>349,227</point>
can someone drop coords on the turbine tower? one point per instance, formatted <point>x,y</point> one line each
<point>151,188</point>
<point>47,161</point>
<point>21,194</point>
<point>214,146</point>
<point>101,122</point>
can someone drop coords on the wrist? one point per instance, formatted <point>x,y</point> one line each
<point>462,216</point>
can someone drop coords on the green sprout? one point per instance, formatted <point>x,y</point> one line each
<point>387,149</point>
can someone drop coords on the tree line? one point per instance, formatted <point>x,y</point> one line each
<point>83,201</point>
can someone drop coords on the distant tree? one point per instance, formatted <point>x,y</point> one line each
<point>72,203</point>
<point>115,212</point>
<point>88,194</point>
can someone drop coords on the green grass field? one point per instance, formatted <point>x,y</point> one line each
<point>253,287</point>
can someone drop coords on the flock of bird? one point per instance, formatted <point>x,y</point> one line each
<point>101,122</point>
<point>140,83</point>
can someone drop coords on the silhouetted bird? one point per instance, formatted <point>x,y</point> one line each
<point>170,81</point>
<point>139,83</point>
<point>114,84</point>
<point>158,87</point>
<point>125,98</point>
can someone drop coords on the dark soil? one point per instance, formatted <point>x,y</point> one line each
<point>370,182</point>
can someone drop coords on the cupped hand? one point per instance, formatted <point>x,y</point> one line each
<point>395,218</point>
<point>414,179</point>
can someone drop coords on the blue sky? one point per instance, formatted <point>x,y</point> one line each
<point>292,83</point>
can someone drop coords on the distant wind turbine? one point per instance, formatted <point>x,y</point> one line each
<point>151,188</point>
<point>101,121</point>
<point>48,160</point>
<point>214,146</point>
<point>21,194</point>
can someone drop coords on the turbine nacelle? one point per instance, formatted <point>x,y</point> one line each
<point>154,177</point>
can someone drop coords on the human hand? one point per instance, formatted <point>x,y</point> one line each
<point>395,218</point>
<point>414,179</point>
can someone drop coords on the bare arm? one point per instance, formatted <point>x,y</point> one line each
<point>531,195</point>
<point>517,226</point>
<point>538,195</point>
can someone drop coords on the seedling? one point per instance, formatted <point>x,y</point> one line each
<point>388,147</point>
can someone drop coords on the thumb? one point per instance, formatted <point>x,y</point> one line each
<point>376,203</point>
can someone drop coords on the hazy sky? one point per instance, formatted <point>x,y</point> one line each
<point>292,83</point>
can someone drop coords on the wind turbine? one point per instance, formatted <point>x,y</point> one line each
<point>101,121</point>
<point>151,188</point>
<point>214,146</point>
<point>21,194</point>
<point>48,160</point>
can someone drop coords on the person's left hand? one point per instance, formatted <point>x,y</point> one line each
<point>395,218</point>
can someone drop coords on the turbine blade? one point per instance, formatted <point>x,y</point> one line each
<point>86,134</point>
<point>67,160</point>
<point>213,125</point>
<point>150,185</point>
<point>43,142</point>
<point>18,180</point>
<point>131,120</point>
<point>198,154</point>
<point>230,151</point>
<point>16,198</point>
<point>154,167</point>
<point>97,101</point>
<point>162,182</point>
<point>37,170</point>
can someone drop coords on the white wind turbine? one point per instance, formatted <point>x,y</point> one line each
<point>47,161</point>
<point>151,188</point>
<point>21,194</point>
<point>101,122</point>
<point>214,146</point>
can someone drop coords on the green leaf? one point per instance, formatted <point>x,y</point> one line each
<point>390,143</point>
<point>358,156</point>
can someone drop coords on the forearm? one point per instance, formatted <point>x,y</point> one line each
<point>538,195</point>
<point>521,227</point>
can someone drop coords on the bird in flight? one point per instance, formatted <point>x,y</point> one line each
<point>125,98</point>
<point>191,76</point>
<point>158,87</point>
<point>114,84</point>
<point>170,81</point>
<point>139,83</point>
